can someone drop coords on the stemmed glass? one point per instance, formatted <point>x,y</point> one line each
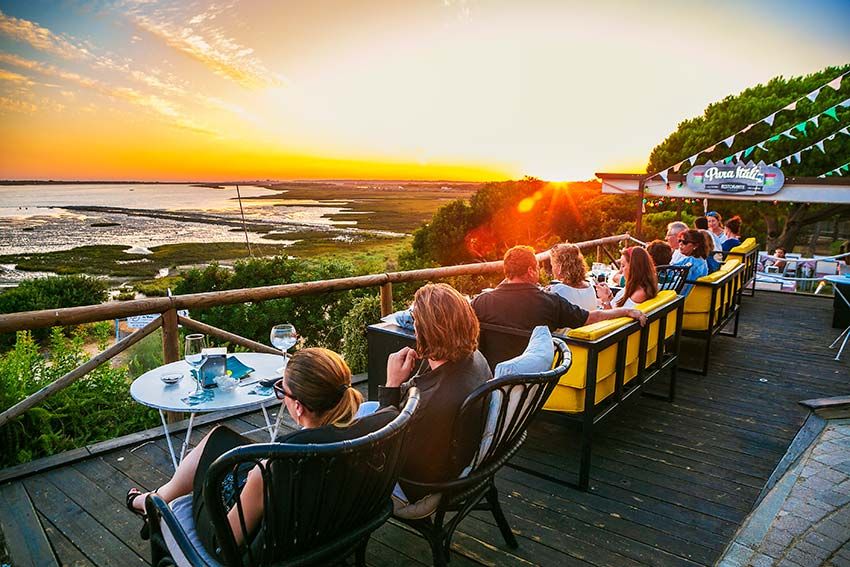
<point>193,354</point>
<point>283,337</point>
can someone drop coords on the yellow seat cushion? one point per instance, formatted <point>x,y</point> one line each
<point>744,247</point>
<point>569,394</point>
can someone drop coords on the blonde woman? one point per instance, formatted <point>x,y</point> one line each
<point>569,267</point>
<point>316,391</point>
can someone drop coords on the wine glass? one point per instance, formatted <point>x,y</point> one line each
<point>193,354</point>
<point>283,337</point>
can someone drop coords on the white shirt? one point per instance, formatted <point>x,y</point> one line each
<point>584,297</point>
<point>677,256</point>
<point>629,304</point>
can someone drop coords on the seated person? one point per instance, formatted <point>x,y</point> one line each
<point>569,267</point>
<point>673,231</point>
<point>716,229</point>
<point>711,259</point>
<point>449,369</point>
<point>780,264</point>
<point>518,301</point>
<point>733,233</point>
<point>692,245</point>
<point>660,252</point>
<point>641,280</point>
<point>316,391</point>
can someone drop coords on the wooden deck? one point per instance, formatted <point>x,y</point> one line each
<point>670,483</point>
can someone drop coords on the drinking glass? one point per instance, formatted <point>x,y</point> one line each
<point>192,353</point>
<point>283,337</point>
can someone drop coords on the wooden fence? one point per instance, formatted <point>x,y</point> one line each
<point>167,307</point>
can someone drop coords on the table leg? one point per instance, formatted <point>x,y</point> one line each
<point>188,436</point>
<point>846,334</point>
<point>168,439</point>
<point>272,430</point>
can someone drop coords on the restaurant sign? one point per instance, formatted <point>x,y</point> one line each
<point>736,178</point>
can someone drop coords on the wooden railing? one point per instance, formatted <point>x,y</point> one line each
<point>168,307</point>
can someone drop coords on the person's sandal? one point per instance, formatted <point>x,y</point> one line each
<point>132,494</point>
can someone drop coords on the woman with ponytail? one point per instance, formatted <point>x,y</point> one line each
<point>316,391</point>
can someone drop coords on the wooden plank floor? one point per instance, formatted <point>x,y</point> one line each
<point>670,483</point>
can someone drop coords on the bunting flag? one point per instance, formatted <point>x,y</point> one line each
<point>815,120</point>
<point>801,127</point>
<point>837,171</point>
<point>819,145</point>
<point>834,84</point>
<point>748,151</point>
<point>831,112</point>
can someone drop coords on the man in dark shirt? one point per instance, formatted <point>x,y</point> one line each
<point>518,301</point>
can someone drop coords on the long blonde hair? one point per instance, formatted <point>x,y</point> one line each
<point>321,380</point>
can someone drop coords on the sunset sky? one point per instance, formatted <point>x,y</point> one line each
<point>381,89</point>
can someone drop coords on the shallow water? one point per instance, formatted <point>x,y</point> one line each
<point>34,218</point>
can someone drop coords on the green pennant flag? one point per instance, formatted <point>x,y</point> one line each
<point>801,127</point>
<point>845,167</point>
<point>727,160</point>
<point>748,151</point>
<point>831,113</point>
<point>828,173</point>
<point>774,138</point>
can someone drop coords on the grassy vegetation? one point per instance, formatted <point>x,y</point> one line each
<point>112,260</point>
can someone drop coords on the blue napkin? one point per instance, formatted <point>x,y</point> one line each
<point>237,369</point>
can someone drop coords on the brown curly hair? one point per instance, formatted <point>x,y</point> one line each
<point>568,264</point>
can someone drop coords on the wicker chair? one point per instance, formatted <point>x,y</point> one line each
<point>513,401</point>
<point>321,502</point>
<point>672,277</point>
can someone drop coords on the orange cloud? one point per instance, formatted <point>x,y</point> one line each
<point>40,38</point>
<point>209,46</point>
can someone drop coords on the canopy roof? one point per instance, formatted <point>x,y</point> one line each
<point>795,190</point>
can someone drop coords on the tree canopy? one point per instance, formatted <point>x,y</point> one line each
<point>780,223</point>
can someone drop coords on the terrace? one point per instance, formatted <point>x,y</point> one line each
<point>671,484</point>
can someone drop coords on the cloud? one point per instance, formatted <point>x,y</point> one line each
<point>165,109</point>
<point>207,44</point>
<point>16,105</point>
<point>41,38</point>
<point>14,77</point>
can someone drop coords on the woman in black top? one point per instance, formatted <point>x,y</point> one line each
<point>316,391</point>
<point>450,369</point>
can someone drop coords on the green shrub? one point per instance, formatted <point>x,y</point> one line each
<point>50,293</point>
<point>98,406</point>
<point>158,287</point>
<point>364,311</point>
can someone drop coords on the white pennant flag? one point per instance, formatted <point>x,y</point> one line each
<point>738,155</point>
<point>835,83</point>
<point>778,164</point>
<point>663,175</point>
<point>797,156</point>
<point>788,160</point>
<point>792,106</point>
<point>844,131</point>
<point>761,146</point>
<point>789,134</point>
<point>844,103</point>
<point>677,166</point>
<point>820,146</point>
<point>693,159</point>
<point>815,120</point>
<point>770,119</point>
<point>812,96</point>
<point>729,141</point>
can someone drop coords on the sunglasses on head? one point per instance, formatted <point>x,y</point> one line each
<point>712,214</point>
<point>686,241</point>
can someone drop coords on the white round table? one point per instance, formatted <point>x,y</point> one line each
<point>148,389</point>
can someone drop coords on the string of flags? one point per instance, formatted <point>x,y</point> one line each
<point>797,156</point>
<point>837,171</point>
<point>790,133</point>
<point>834,84</point>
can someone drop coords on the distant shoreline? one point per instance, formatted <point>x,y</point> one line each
<point>255,183</point>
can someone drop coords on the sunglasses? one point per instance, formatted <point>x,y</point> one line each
<point>686,241</point>
<point>280,394</point>
<point>712,214</point>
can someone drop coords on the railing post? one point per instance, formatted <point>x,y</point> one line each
<point>170,350</point>
<point>599,254</point>
<point>386,299</point>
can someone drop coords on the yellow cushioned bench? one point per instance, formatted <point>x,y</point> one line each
<point>747,252</point>
<point>714,301</point>
<point>612,361</point>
